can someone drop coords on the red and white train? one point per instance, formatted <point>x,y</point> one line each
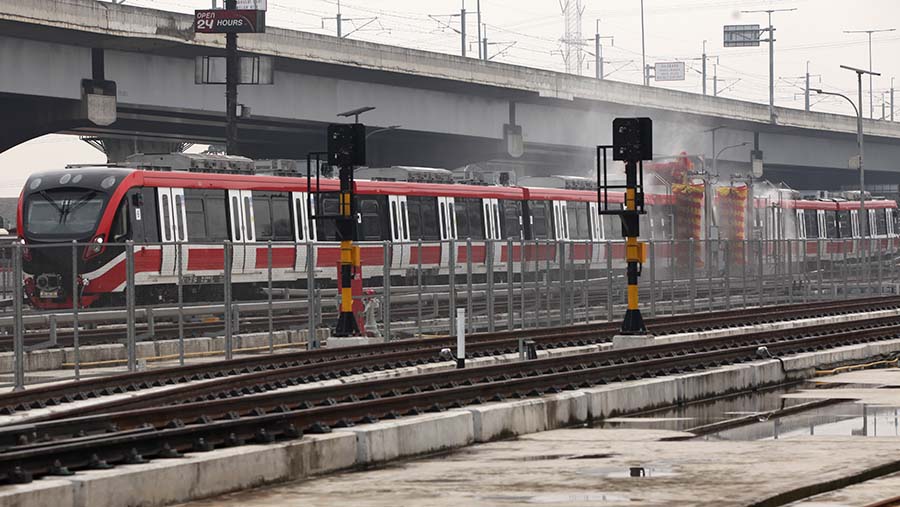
<point>101,208</point>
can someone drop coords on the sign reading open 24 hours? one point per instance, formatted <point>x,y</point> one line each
<point>229,21</point>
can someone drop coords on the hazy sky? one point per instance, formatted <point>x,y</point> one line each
<point>527,32</point>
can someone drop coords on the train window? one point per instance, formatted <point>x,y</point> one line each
<point>262,215</point>
<point>880,222</point>
<point>451,215</point>
<point>404,220</point>
<point>167,218</point>
<point>831,224</point>
<point>423,218</point>
<point>396,235</point>
<point>845,229</point>
<point>373,219</point>
<point>328,205</point>
<point>469,219</point>
<point>578,215</point>
<point>248,219</point>
<point>236,218</point>
<point>216,216</point>
<point>179,215</point>
<point>299,214</point>
<point>541,219</point>
<point>196,217</point>
<point>443,217</point>
<point>281,218</point>
<point>811,220</point>
<point>612,228</point>
<point>511,214</point>
<point>119,230</point>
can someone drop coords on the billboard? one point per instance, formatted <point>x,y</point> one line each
<point>741,35</point>
<point>669,71</point>
<point>251,5</point>
<point>229,21</point>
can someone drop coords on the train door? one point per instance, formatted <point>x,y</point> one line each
<point>492,226</point>
<point>172,218</point>
<point>560,220</point>
<point>304,232</point>
<point>243,231</point>
<point>400,246</point>
<point>447,217</point>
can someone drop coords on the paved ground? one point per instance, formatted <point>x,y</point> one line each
<point>587,467</point>
<point>866,493</point>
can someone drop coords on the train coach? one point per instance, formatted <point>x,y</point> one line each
<point>77,220</point>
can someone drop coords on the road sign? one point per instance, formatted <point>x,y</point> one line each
<point>741,35</point>
<point>669,71</point>
<point>229,21</point>
<point>253,70</point>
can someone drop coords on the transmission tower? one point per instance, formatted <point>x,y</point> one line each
<point>572,42</point>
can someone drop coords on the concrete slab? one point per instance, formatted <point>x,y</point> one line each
<point>507,419</point>
<point>387,440</point>
<point>587,467</point>
<point>46,492</point>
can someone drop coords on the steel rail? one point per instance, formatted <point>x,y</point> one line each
<point>135,444</point>
<point>379,356</point>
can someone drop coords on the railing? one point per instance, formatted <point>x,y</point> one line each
<point>502,284</point>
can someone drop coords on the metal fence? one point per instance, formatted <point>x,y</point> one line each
<point>168,303</point>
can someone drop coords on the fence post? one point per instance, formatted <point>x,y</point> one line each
<point>510,273</point>
<point>226,289</point>
<point>652,260</point>
<point>180,289</point>
<point>76,348</point>
<point>269,269</point>
<point>563,295</point>
<point>692,268</point>
<point>469,296</point>
<point>760,244</point>
<point>745,255</point>
<point>489,265</point>
<point>386,290</point>
<point>522,284</point>
<point>18,324</point>
<point>609,284</point>
<point>312,339</point>
<point>419,291</point>
<point>727,273</point>
<point>451,281</point>
<point>130,302</point>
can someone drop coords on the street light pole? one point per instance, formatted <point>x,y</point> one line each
<point>644,49</point>
<point>863,218</point>
<point>869,33</point>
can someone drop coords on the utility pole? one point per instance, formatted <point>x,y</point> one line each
<point>484,45</point>
<point>598,50</point>
<point>771,41</point>
<point>644,49</point>
<point>806,90</point>
<point>716,79</point>
<point>892,99</point>
<point>869,33</point>
<point>704,67</point>
<point>232,62</point>
<point>482,54</point>
<point>462,26</point>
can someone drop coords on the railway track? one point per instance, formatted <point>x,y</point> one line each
<point>204,419</point>
<point>332,363</point>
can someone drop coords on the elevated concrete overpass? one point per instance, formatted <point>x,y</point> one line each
<point>452,110</point>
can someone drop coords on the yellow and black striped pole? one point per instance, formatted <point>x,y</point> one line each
<point>346,149</point>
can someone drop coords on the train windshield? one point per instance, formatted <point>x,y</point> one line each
<point>63,213</point>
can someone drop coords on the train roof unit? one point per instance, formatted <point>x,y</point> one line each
<point>191,162</point>
<point>559,181</point>
<point>409,174</point>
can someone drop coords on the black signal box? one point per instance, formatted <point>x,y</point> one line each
<point>632,139</point>
<point>347,144</point>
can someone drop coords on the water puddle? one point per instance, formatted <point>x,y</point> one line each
<point>635,472</point>
<point>560,498</point>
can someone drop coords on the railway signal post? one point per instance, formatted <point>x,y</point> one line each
<point>632,144</point>
<point>347,149</point>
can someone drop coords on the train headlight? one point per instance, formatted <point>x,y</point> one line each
<point>95,248</point>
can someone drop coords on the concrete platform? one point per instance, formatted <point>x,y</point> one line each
<point>587,467</point>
